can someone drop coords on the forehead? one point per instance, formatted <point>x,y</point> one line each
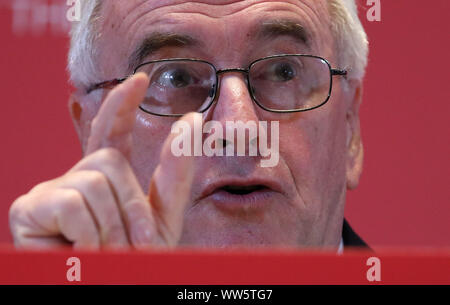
<point>216,8</point>
<point>127,14</point>
<point>131,11</point>
<point>216,21</point>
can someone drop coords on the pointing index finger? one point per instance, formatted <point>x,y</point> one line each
<point>115,120</point>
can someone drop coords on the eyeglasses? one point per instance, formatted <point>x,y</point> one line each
<point>280,83</point>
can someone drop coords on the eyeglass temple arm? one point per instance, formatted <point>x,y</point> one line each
<point>338,72</point>
<point>107,84</point>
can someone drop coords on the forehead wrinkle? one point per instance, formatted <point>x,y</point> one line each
<point>134,16</point>
<point>155,6</point>
<point>221,6</point>
<point>321,21</point>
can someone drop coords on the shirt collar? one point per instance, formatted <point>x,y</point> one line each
<point>341,247</point>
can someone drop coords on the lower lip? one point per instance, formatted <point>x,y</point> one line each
<point>233,202</point>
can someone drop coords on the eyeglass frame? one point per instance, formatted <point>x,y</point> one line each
<point>333,72</point>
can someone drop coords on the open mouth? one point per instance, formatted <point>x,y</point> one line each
<point>235,194</point>
<point>238,197</point>
<point>242,189</point>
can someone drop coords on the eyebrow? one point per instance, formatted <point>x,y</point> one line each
<point>156,41</point>
<point>275,28</point>
<point>267,30</point>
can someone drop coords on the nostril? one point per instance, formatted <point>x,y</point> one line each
<point>220,143</point>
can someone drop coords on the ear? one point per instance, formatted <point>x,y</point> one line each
<point>355,151</point>
<point>76,110</point>
<point>81,114</point>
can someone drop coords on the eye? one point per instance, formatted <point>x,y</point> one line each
<point>175,78</point>
<point>281,72</point>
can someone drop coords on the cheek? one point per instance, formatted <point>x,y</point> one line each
<point>313,148</point>
<point>149,135</point>
<point>298,150</point>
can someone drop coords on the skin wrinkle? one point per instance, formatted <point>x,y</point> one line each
<point>339,190</point>
<point>305,164</point>
<point>303,138</point>
<point>296,186</point>
<point>320,219</point>
<point>283,6</point>
<point>222,4</point>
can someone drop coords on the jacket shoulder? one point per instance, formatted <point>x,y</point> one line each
<point>350,238</point>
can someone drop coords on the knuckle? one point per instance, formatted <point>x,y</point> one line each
<point>134,208</point>
<point>45,186</point>
<point>42,186</point>
<point>17,208</point>
<point>111,156</point>
<point>72,201</point>
<point>95,179</point>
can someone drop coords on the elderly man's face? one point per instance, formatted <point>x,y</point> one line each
<point>320,150</point>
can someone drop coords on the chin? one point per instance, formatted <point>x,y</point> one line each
<point>238,236</point>
<point>261,218</point>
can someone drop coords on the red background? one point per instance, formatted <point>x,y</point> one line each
<point>218,267</point>
<point>403,198</point>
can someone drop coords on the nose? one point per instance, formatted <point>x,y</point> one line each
<point>233,104</point>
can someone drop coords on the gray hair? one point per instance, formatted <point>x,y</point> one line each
<point>350,40</point>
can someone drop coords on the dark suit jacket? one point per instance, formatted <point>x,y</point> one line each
<point>351,239</point>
